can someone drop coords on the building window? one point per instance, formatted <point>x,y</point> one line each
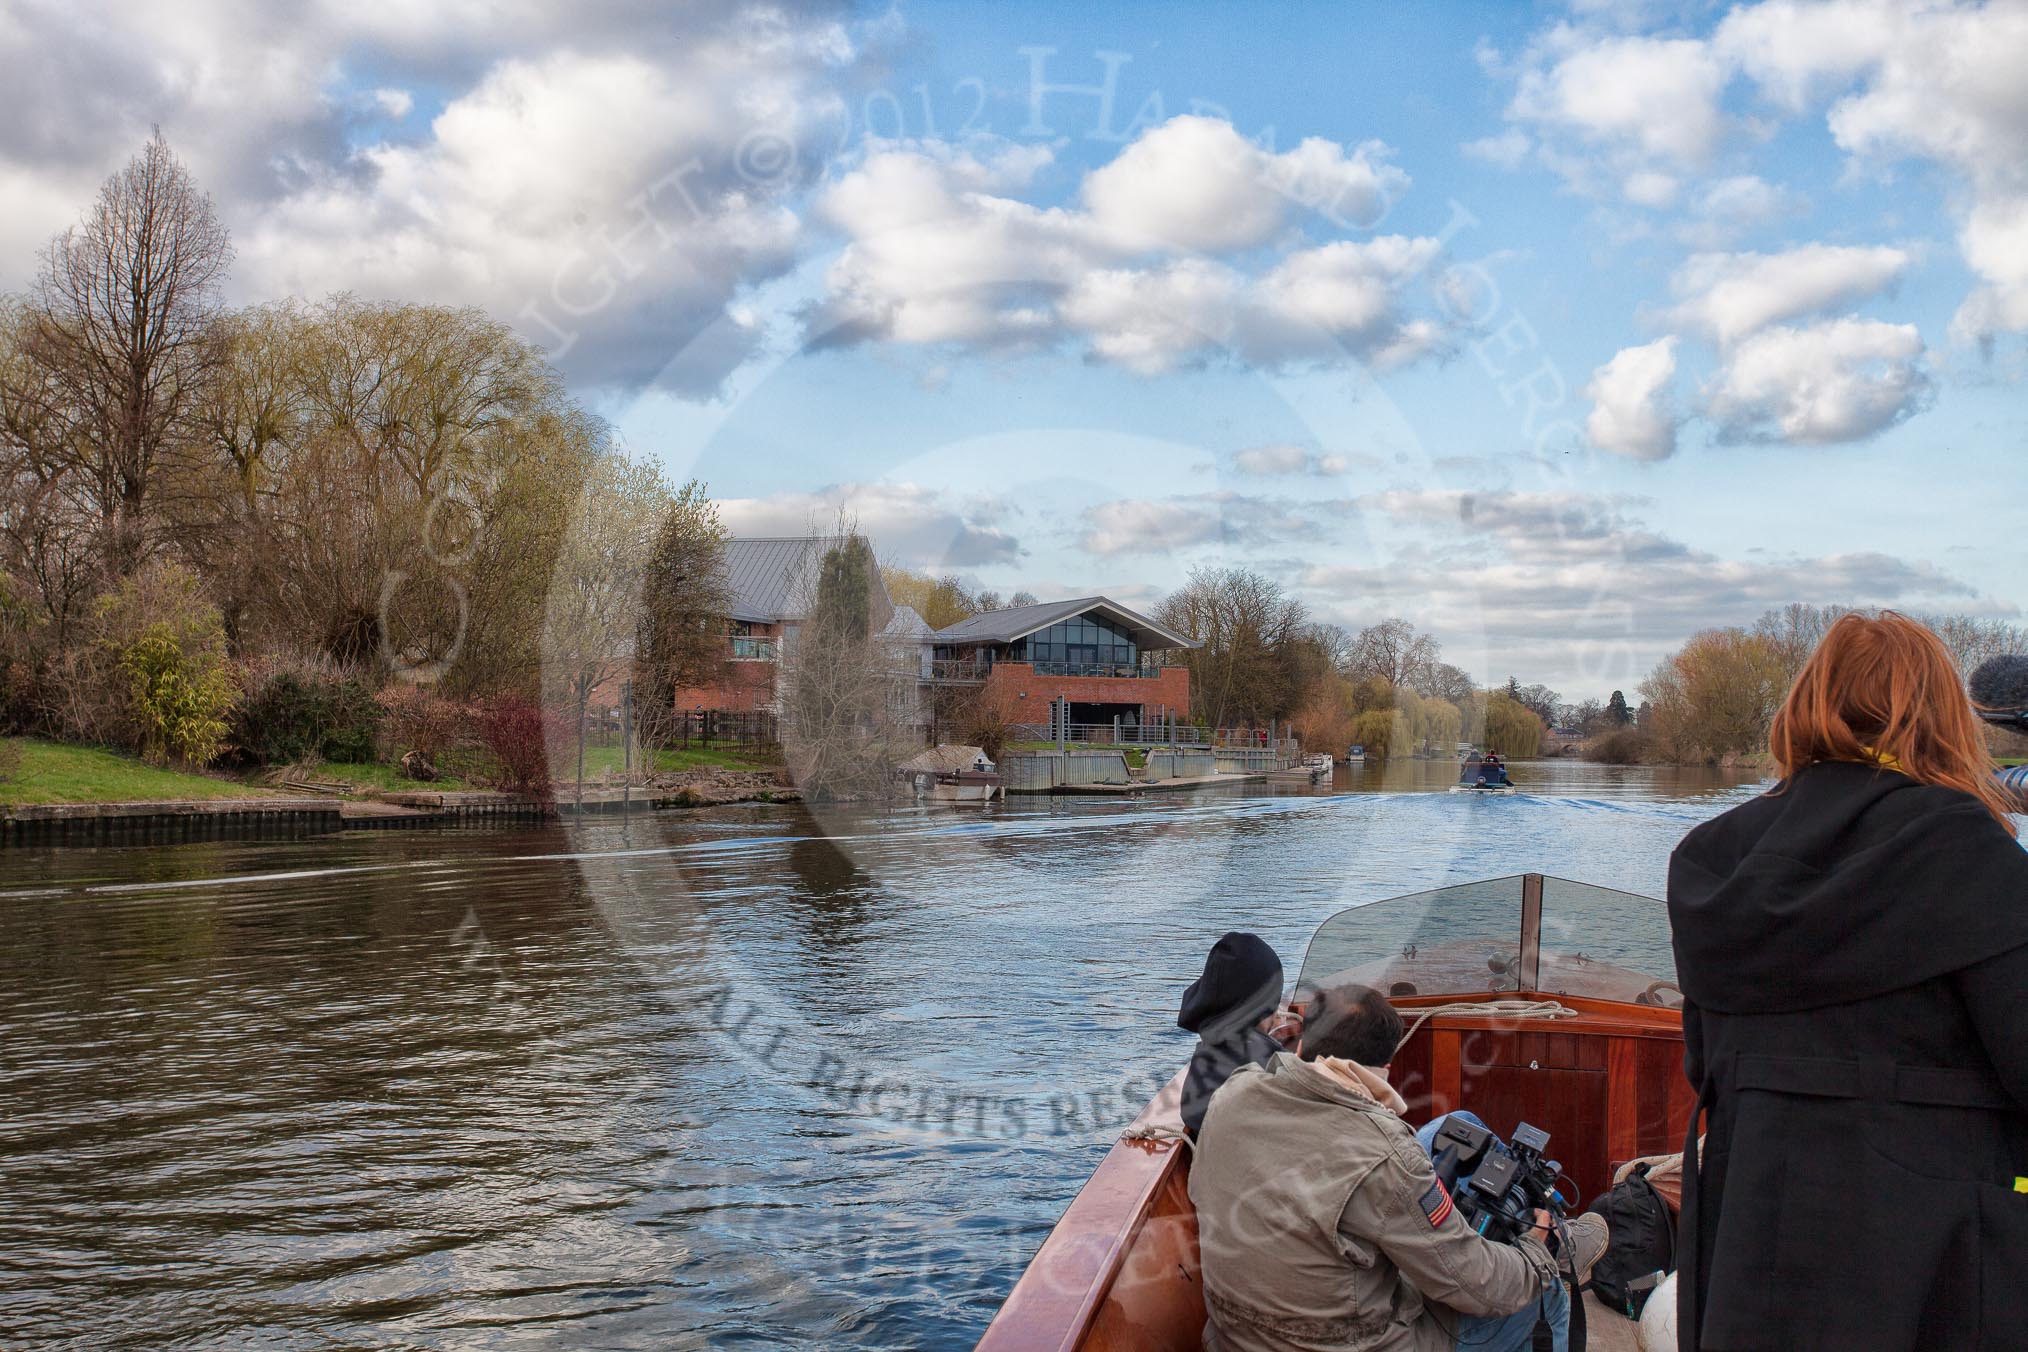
<point>1085,641</point>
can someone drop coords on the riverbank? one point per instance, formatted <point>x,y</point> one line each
<point>55,794</point>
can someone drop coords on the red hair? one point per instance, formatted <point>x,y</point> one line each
<point>1876,688</point>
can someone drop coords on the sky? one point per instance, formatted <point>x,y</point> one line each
<point>1563,332</point>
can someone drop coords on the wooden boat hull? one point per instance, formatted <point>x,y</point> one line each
<point>1120,1270</point>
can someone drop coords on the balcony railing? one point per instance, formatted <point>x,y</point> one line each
<point>753,650</point>
<point>959,669</point>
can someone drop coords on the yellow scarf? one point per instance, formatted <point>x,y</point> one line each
<point>1886,760</point>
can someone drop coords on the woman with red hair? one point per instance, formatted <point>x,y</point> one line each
<point>1853,951</point>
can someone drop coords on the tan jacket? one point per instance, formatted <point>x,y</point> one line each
<point>1323,1226</point>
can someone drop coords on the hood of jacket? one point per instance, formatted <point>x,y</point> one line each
<point>1846,882</point>
<point>1241,985</point>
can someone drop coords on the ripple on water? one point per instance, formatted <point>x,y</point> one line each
<point>463,1089</point>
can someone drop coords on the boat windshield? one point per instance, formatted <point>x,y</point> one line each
<point>1523,933</point>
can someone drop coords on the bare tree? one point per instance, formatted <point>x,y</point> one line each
<point>1453,684</point>
<point>125,327</point>
<point>48,521</point>
<point>1394,652</point>
<point>1254,663</point>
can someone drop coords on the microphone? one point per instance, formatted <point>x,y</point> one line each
<point>1999,690</point>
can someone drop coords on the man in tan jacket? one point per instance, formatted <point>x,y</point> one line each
<point>1323,1225</point>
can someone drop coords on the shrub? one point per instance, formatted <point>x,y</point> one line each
<point>178,698</point>
<point>1621,746</point>
<point>516,732</point>
<point>152,676</point>
<point>289,714</point>
<point>417,718</point>
<point>986,727</point>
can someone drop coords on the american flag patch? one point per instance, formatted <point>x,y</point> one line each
<point>1436,1204</point>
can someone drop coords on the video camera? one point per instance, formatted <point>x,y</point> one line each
<point>1504,1184</point>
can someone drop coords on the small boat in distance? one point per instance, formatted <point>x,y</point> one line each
<point>951,774</point>
<point>1483,774</point>
<point>1356,753</point>
<point>1528,998</point>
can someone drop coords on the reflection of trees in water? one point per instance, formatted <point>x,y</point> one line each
<point>840,893</point>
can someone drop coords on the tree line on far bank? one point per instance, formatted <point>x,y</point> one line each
<point>308,530</point>
<point>1714,699</point>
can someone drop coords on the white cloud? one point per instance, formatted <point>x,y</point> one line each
<point>1148,320</point>
<point>1509,149</point>
<point>1276,458</point>
<point>1133,526</point>
<point>1282,458</point>
<point>1187,521</point>
<point>523,195</point>
<point>934,255</point>
<point>1941,83</point>
<point>1840,380</point>
<point>1647,188</point>
<point>1576,589</point>
<point>1655,98</point>
<point>938,251</point>
<point>1195,184</point>
<point>1995,243</point>
<point>1724,209</point>
<point>1800,53</point>
<point>1339,462</point>
<point>1630,414</point>
<point>1727,296</point>
<point>908,523</point>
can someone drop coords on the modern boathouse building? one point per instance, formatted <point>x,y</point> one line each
<point>1114,666</point>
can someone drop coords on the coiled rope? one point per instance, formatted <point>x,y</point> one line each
<point>1499,1009</point>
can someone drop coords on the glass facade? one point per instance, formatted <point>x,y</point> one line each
<point>1086,640</point>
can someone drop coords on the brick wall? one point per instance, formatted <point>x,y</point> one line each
<point>748,686</point>
<point>1023,697</point>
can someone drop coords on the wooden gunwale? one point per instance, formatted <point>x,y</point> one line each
<point>1109,1211</point>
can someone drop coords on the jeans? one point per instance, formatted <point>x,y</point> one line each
<point>1506,1332</point>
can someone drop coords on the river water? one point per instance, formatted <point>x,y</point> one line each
<point>739,1077</point>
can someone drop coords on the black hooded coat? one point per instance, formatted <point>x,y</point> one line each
<point>1853,952</point>
<point>1241,985</point>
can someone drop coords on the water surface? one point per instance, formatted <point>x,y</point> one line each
<point>738,1077</point>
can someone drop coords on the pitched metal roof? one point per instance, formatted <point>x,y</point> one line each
<point>763,576</point>
<point>906,624</point>
<point>1004,626</point>
<point>766,576</point>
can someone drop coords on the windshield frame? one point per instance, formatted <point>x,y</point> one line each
<point>1525,969</point>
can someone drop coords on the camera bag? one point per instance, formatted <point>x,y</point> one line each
<point>1642,1243</point>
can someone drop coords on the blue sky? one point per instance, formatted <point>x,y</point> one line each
<point>1628,320</point>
